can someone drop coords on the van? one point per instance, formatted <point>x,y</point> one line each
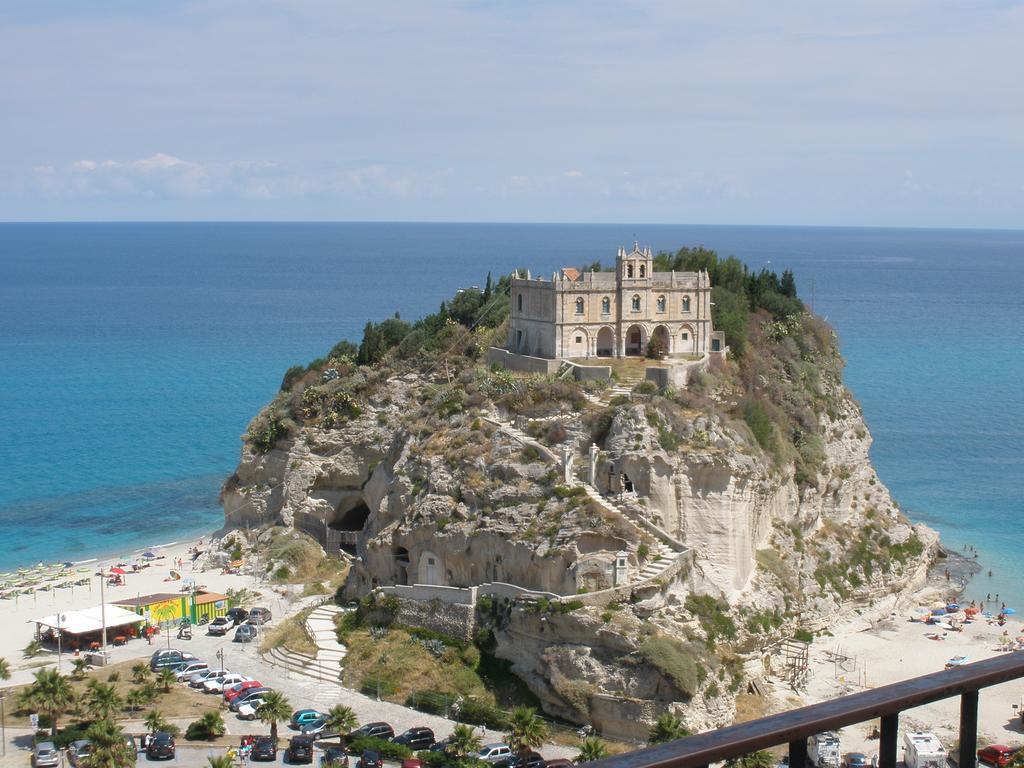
<point>923,750</point>
<point>259,616</point>
<point>824,751</point>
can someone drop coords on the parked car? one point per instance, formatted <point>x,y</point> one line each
<point>245,633</point>
<point>855,760</point>
<point>314,727</point>
<point>259,616</point>
<point>559,762</point>
<point>998,755</point>
<point>302,716</point>
<point>416,739</point>
<point>45,755</point>
<point>334,756</point>
<point>531,760</point>
<point>492,753</point>
<point>412,762</point>
<point>160,746</point>
<point>245,696</point>
<point>264,748</point>
<point>376,730</point>
<point>169,657</point>
<point>248,710</point>
<point>300,750</point>
<point>199,678</point>
<point>78,751</point>
<point>440,746</point>
<point>218,684</point>
<point>189,668</point>
<point>370,759</point>
<point>219,626</point>
<point>236,615</point>
<point>230,694</point>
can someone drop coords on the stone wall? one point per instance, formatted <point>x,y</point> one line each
<point>451,619</point>
<point>591,372</point>
<point>521,363</point>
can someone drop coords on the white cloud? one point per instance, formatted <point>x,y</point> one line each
<point>84,165</point>
<point>574,174</point>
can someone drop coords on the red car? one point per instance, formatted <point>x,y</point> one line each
<point>238,688</point>
<point>998,755</point>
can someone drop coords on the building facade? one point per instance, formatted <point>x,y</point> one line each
<point>613,314</point>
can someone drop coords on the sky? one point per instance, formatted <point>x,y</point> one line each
<point>816,112</point>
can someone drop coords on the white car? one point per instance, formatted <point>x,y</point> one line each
<point>248,710</point>
<point>492,753</point>
<point>218,684</point>
<point>199,678</point>
<point>185,673</point>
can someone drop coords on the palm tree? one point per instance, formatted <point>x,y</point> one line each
<point>166,678</point>
<point>52,693</point>
<point>220,761</point>
<point>135,700</point>
<point>34,648</point>
<point>140,673</point>
<point>102,701</point>
<point>667,727</point>
<point>109,747</point>
<point>78,668</point>
<point>760,759</point>
<point>155,721</point>
<point>464,742</point>
<point>526,730</point>
<point>342,719</point>
<point>209,726</point>
<point>591,748</point>
<point>274,708</point>
<point>5,669</point>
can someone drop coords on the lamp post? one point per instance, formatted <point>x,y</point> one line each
<point>60,618</point>
<point>220,656</point>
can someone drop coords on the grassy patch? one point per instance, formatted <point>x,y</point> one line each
<point>291,634</point>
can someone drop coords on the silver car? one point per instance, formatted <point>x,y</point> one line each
<point>45,755</point>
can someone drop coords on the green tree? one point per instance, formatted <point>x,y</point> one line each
<point>760,759</point>
<point>140,672</point>
<point>155,721</point>
<point>135,699</point>
<point>667,727</point>
<point>102,701</point>
<point>273,709</point>
<point>464,742</point>
<point>110,747</point>
<point>166,678</point>
<point>210,725</point>
<point>51,693</point>
<point>788,284</point>
<point>220,761</point>
<point>341,719</point>
<point>78,668</point>
<point>33,649</point>
<point>5,669</point>
<point>488,287</point>
<point>591,748</point>
<point>526,730</point>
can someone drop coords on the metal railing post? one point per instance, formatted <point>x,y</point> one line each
<point>888,742</point>
<point>968,729</point>
<point>798,753</point>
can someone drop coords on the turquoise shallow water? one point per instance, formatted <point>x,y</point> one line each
<point>133,355</point>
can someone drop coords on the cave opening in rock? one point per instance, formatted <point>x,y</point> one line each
<point>350,516</point>
<point>401,565</point>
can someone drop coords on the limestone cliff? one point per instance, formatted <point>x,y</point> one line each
<point>715,517</point>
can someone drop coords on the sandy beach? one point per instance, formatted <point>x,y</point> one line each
<point>889,643</point>
<point>18,614</point>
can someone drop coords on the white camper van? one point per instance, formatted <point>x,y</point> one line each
<point>823,750</point>
<point>923,750</point>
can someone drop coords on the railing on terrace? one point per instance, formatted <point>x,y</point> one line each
<point>794,727</point>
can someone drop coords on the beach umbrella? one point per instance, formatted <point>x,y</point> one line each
<point>149,555</point>
<point>1009,611</point>
<point>118,571</point>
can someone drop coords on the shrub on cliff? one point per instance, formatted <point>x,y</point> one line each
<point>679,663</point>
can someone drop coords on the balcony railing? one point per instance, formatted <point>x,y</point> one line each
<point>794,727</point>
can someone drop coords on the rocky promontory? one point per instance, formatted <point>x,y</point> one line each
<point>658,538</point>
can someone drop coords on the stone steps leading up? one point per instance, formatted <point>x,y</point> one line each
<point>326,665</point>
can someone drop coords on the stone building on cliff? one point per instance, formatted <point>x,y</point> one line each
<point>613,314</point>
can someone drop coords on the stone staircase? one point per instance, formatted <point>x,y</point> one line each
<point>623,387</point>
<point>326,665</point>
<point>663,554</point>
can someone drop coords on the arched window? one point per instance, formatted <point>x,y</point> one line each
<point>606,306</point>
<point>579,306</point>
<point>636,302</point>
<point>629,270</point>
<point>519,303</point>
<point>686,303</point>
<point>643,270</point>
<point>661,303</point>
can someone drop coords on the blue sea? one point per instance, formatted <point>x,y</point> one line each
<point>132,356</point>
